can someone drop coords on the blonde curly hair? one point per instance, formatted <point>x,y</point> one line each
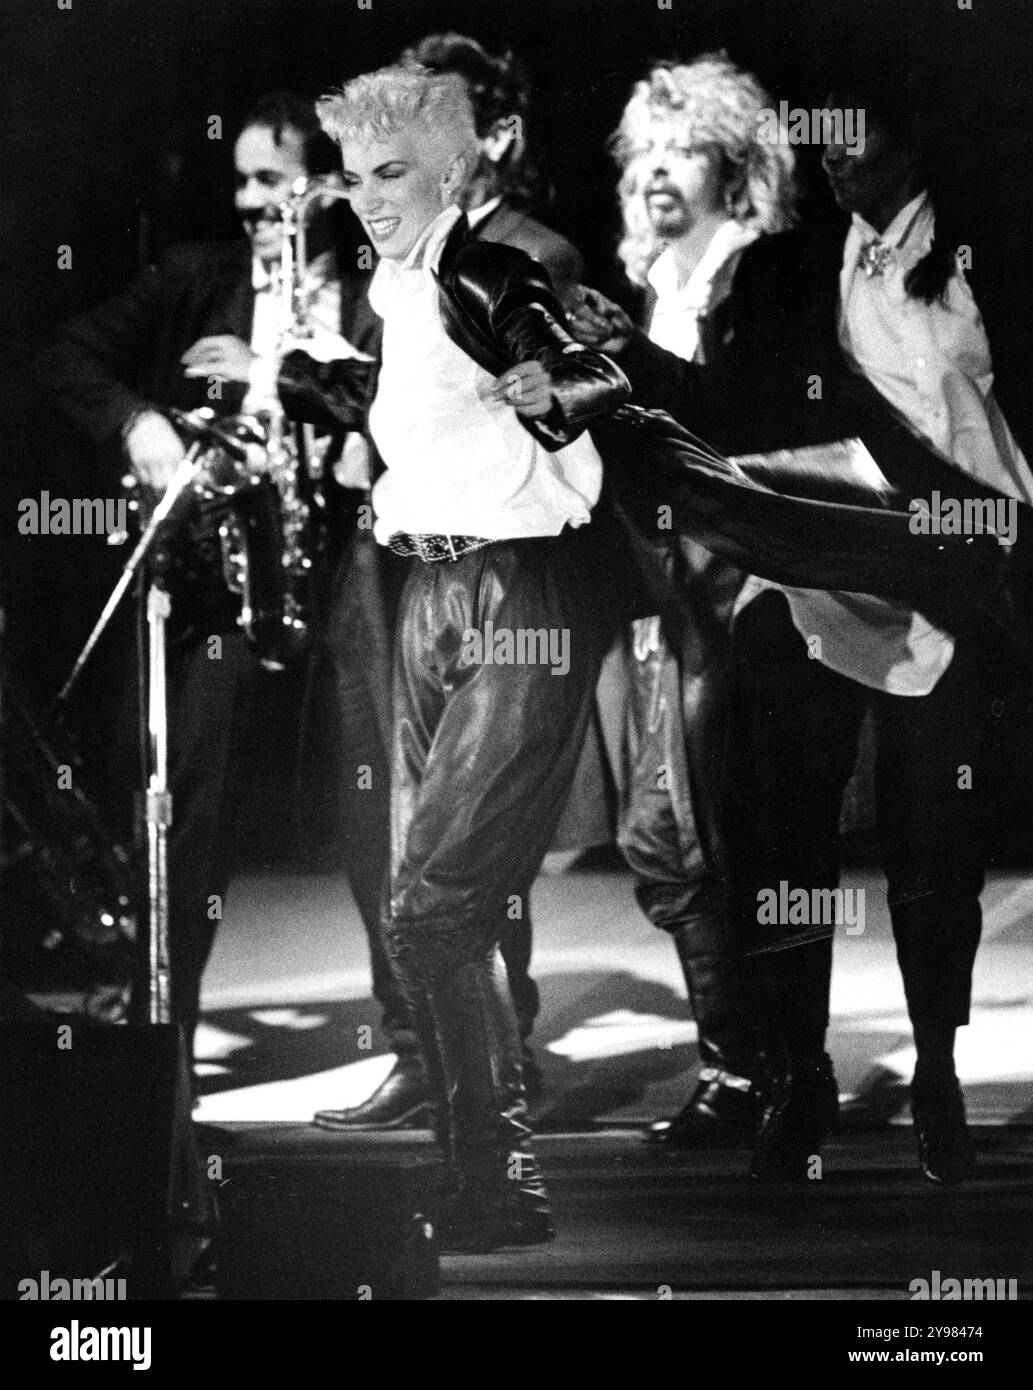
<point>709,101</point>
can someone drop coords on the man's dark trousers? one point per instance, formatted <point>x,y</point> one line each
<point>794,728</point>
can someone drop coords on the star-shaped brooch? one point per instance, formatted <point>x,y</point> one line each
<point>873,258</point>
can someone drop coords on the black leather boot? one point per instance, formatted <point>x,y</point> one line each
<point>800,1115</point>
<point>461,1006</point>
<point>501,1199</point>
<point>724,1110</point>
<point>791,990</point>
<point>945,1151</point>
<point>402,1101</point>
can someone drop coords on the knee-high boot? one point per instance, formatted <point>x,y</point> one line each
<point>471,1045</point>
<point>726,1038</point>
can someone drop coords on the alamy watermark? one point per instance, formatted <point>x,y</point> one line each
<point>73,516</point>
<point>45,1289</point>
<point>811,907</point>
<point>84,1343</point>
<point>945,1290</point>
<point>521,646</point>
<point>817,125</point>
<point>968,516</point>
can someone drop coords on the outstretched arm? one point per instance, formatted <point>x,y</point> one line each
<point>762,393</point>
<point>659,379</point>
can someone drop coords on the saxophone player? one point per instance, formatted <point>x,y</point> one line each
<point>202,327</point>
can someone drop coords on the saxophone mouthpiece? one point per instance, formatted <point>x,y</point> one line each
<point>307,191</point>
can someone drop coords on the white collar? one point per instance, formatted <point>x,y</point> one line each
<point>261,275</point>
<point>426,251</point>
<point>395,280</point>
<point>899,229</point>
<point>475,216</point>
<point>730,237</point>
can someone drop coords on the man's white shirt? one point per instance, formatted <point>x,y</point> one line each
<point>931,362</point>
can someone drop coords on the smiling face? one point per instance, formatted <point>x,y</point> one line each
<point>265,172</point>
<point>397,186</point>
<point>680,182</point>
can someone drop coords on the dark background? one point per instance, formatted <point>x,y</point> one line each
<point>105,108</point>
<point>104,112</point>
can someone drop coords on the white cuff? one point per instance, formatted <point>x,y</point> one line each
<point>261,383</point>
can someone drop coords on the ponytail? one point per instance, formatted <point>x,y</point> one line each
<point>928,280</point>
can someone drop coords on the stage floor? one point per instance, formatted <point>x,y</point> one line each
<point>636,1222</point>
<point>290,1027</point>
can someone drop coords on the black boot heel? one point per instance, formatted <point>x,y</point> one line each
<point>945,1152</point>
<point>799,1117</point>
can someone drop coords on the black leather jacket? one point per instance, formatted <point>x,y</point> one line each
<point>497,305</point>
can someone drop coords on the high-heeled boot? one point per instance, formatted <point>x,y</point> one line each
<point>790,988</point>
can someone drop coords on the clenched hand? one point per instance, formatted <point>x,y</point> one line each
<point>598,322</point>
<point>526,387</point>
<point>155,450</point>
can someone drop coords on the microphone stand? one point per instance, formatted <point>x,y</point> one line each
<point>181,479</point>
<point>158,808</point>
<point>158,798</point>
<point>166,1256</point>
<point>172,1240</point>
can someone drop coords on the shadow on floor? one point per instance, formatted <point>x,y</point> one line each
<point>630,1078</point>
<point>278,1044</point>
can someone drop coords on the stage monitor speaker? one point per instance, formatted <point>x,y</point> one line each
<point>98,1165</point>
<point>341,1225</point>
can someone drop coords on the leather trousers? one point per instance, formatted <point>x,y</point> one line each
<point>358,631</point>
<point>670,820</point>
<point>485,748</point>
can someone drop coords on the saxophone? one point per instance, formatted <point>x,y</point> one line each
<point>260,475</point>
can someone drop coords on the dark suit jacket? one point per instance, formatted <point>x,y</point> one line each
<point>779,349</point>
<point>514,227</point>
<point>778,330</point>
<point>101,366</point>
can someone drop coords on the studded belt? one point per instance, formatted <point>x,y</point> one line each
<point>432,549</point>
